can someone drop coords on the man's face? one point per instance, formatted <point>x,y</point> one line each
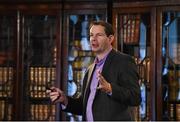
<point>98,39</point>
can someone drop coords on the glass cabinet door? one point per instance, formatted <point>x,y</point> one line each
<point>40,54</point>
<point>171,65</point>
<point>134,38</point>
<point>80,55</point>
<point>7,65</point>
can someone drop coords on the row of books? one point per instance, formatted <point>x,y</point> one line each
<point>42,75</point>
<point>143,68</point>
<point>178,112</point>
<point>5,110</point>
<point>42,112</point>
<point>174,111</point>
<point>174,85</point>
<point>144,75</point>
<point>82,62</point>
<point>6,79</point>
<point>6,74</point>
<point>37,91</point>
<point>78,75</point>
<point>129,30</point>
<point>6,90</point>
<point>40,78</point>
<point>77,51</point>
<point>37,111</point>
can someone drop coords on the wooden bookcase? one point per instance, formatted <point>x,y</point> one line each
<point>41,44</point>
<point>30,55</point>
<point>162,96</point>
<point>168,61</point>
<point>134,36</point>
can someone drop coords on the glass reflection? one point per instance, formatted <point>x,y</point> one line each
<point>171,65</point>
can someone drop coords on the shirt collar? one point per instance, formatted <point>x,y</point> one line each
<point>99,62</point>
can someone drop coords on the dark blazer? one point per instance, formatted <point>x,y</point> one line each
<point>121,72</point>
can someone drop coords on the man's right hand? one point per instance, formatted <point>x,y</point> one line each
<point>57,95</point>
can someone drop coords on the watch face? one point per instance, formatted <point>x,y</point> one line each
<point>72,88</point>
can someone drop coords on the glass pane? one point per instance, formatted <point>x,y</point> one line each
<point>40,64</point>
<point>80,55</point>
<point>7,65</point>
<point>134,39</point>
<point>171,65</point>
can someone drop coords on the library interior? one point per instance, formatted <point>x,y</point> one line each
<point>46,42</point>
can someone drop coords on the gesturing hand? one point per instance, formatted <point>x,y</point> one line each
<point>56,95</point>
<point>103,84</point>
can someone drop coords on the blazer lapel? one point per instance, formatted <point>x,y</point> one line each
<point>91,69</point>
<point>107,63</point>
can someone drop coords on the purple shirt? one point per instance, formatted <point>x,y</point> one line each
<point>93,87</point>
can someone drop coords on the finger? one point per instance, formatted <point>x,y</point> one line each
<point>101,80</point>
<point>53,89</point>
<point>100,76</point>
<point>53,99</point>
<point>100,87</point>
<point>48,91</point>
<point>54,94</point>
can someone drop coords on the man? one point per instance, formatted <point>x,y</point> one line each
<point>110,85</point>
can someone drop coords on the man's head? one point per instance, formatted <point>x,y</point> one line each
<point>101,37</point>
<point>107,27</point>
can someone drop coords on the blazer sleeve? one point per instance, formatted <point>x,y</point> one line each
<point>74,106</point>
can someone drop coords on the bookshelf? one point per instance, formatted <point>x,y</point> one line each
<point>28,61</point>
<point>40,39</point>
<point>6,90</point>
<point>129,28</point>
<point>134,38</point>
<point>7,65</point>
<point>159,70</point>
<point>170,74</point>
